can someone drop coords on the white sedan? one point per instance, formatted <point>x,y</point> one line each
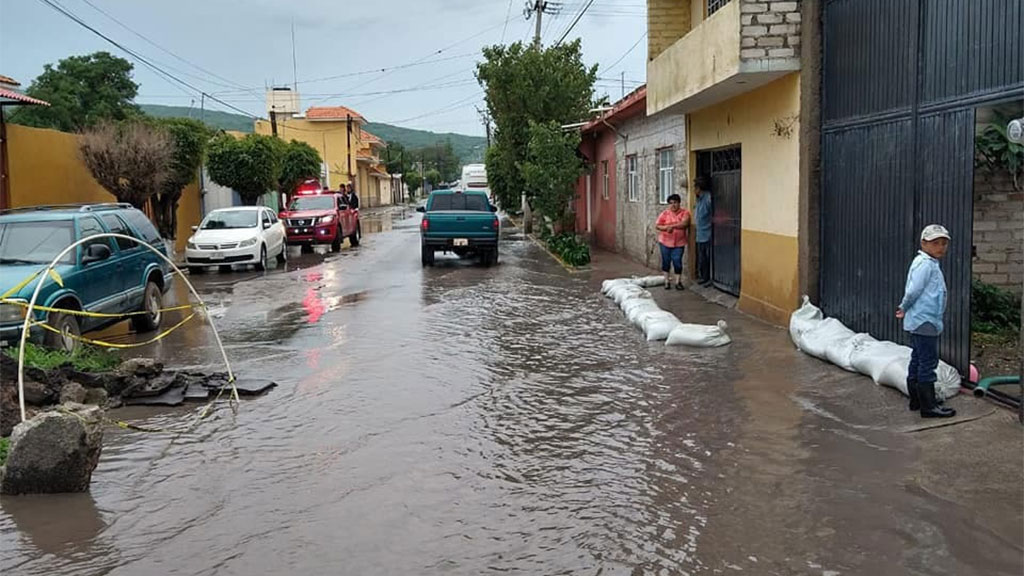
<point>243,235</point>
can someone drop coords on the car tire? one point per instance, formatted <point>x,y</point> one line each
<point>262,264</point>
<point>282,258</point>
<point>152,303</point>
<point>354,238</point>
<point>426,255</point>
<point>66,324</point>
<point>307,248</point>
<point>487,258</point>
<point>338,239</point>
<point>193,270</point>
<point>224,268</point>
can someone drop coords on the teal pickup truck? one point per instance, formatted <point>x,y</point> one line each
<point>462,222</point>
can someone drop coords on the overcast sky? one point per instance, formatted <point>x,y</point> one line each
<point>234,48</point>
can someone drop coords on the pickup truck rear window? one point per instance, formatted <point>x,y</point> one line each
<point>472,202</point>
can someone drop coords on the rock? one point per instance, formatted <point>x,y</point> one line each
<point>38,394</point>
<point>143,387</point>
<point>72,392</point>
<point>10,410</point>
<point>97,396</point>
<point>145,367</point>
<point>56,451</point>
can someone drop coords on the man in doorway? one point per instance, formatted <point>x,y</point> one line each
<point>350,197</point>
<point>702,212</point>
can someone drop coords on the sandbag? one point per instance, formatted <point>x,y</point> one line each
<point>653,316</point>
<point>818,339</point>
<point>871,358</point>
<point>639,307</point>
<point>894,375</point>
<point>840,352</point>
<point>648,281</point>
<point>659,328</point>
<point>609,284</point>
<point>620,293</point>
<point>805,318</point>
<point>699,335</point>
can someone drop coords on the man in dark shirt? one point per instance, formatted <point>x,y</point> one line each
<point>702,211</point>
<point>350,197</point>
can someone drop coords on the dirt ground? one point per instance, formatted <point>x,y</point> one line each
<point>996,354</point>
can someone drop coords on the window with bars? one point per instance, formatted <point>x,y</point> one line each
<point>632,178</point>
<point>605,180</point>
<point>666,164</point>
<point>714,5</point>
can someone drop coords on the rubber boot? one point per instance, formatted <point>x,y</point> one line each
<point>915,402</point>
<point>929,405</point>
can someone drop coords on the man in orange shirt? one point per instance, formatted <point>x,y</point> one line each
<point>672,226</point>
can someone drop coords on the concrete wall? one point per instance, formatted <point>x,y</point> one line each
<point>765,124</point>
<point>998,231</point>
<point>330,138</point>
<point>645,136</point>
<point>603,209</point>
<point>46,168</point>
<point>667,21</point>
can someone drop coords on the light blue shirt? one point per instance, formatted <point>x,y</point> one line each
<point>703,210</point>
<point>924,300</point>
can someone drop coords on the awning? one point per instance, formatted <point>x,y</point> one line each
<point>10,97</point>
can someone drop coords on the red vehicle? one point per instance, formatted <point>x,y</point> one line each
<point>319,216</point>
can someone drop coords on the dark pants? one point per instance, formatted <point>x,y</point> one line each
<point>924,359</point>
<point>704,261</point>
<point>673,256</point>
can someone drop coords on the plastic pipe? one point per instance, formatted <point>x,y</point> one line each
<point>982,388</point>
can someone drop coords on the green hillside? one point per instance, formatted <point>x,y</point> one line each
<point>467,148</point>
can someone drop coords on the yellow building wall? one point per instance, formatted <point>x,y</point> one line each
<point>330,138</point>
<point>765,124</point>
<point>46,168</point>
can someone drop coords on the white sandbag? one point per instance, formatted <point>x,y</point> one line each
<point>806,317</point>
<point>648,281</point>
<point>609,284</point>
<point>699,335</point>
<point>653,316</point>
<point>871,358</point>
<point>894,375</point>
<point>640,306</point>
<point>818,339</point>
<point>659,328</point>
<point>840,352</point>
<point>620,293</point>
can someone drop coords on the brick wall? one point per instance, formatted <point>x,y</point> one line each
<point>769,29</point>
<point>998,231</point>
<point>667,21</point>
<point>646,135</point>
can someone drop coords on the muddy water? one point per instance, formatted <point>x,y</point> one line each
<point>454,420</point>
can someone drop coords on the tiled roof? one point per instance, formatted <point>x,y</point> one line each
<point>333,113</point>
<point>9,80</point>
<point>369,138</point>
<point>11,95</point>
<point>633,103</point>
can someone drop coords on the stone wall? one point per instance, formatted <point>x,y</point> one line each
<point>998,231</point>
<point>769,29</point>
<point>667,21</point>
<point>645,136</point>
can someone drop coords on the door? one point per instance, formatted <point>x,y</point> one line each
<point>724,168</point>
<point>100,283</point>
<point>130,262</point>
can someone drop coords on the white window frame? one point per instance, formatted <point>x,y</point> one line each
<point>605,180</point>
<point>632,178</point>
<point>666,175</point>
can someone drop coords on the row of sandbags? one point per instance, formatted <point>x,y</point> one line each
<point>643,312</point>
<point>885,362</point>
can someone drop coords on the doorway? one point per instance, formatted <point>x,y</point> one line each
<point>724,166</point>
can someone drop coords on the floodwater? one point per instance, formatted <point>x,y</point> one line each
<point>463,420</point>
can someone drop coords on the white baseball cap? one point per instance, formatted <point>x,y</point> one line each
<point>934,231</point>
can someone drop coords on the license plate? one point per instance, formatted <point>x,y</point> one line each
<point>217,256</point>
<point>460,242</point>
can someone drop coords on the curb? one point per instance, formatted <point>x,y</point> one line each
<point>568,268</point>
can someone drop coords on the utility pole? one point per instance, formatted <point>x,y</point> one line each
<point>202,178</point>
<point>273,121</point>
<point>623,83</point>
<point>540,7</point>
<point>348,147</point>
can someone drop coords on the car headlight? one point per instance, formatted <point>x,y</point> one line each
<point>250,242</point>
<point>11,313</point>
<point>190,244</point>
<point>327,219</point>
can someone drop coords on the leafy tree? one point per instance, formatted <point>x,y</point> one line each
<point>551,169</point>
<point>522,84</point>
<point>398,159</point>
<point>433,176</point>
<point>189,139</point>
<point>413,181</point>
<point>250,165</point>
<point>131,160</point>
<point>299,162</point>
<point>82,91</point>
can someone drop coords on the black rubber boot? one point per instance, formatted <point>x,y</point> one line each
<point>915,402</point>
<point>929,406</point>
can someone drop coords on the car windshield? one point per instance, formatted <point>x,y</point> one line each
<point>312,203</point>
<point>35,242</point>
<point>231,219</point>
<point>473,202</point>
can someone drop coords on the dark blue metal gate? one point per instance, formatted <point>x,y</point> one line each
<point>900,82</point>
<point>724,169</point>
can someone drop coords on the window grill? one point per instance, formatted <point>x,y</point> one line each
<point>714,5</point>
<point>726,160</point>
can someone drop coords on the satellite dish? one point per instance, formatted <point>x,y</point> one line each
<point>1015,131</point>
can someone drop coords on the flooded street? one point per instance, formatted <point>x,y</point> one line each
<point>466,420</point>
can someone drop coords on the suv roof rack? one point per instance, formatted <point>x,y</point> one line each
<point>76,206</point>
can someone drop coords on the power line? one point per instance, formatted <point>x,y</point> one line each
<point>508,14</point>
<point>574,22</point>
<point>627,53</point>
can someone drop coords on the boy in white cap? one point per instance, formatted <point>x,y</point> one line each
<point>924,303</point>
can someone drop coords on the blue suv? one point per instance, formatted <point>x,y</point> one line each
<point>107,275</point>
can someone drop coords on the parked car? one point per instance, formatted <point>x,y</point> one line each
<point>106,275</point>
<point>241,235</point>
<point>460,222</point>
<point>321,218</point>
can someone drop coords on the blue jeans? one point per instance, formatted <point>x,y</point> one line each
<point>924,359</point>
<point>673,256</point>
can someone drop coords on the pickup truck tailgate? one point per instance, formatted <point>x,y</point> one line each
<point>460,224</point>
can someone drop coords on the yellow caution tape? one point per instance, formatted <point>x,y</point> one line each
<point>20,285</point>
<point>112,344</point>
<point>56,277</point>
<point>96,314</point>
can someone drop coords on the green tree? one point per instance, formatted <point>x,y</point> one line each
<point>413,181</point>
<point>82,91</point>
<point>250,166</point>
<point>189,139</point>
<point>131,160</point>
<point>433,177</point>
<point>397,158</point>
<point>299,162</point>
<point>551,169</point>
<point>522,84</point>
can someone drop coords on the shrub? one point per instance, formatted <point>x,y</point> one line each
<point>572,249</point>
<point>993,309</point>
<point>84,358</point>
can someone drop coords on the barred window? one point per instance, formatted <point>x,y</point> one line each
<point>632,178</point>
<point>714,5</point>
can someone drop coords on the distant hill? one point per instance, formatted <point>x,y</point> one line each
<point>468,148</point>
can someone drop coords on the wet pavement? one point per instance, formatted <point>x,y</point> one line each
<point>464,420</point>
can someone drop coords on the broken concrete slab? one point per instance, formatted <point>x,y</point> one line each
<point>170,397</point>
<point>245,386</point>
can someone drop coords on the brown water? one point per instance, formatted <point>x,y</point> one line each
<point>462,420</point>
